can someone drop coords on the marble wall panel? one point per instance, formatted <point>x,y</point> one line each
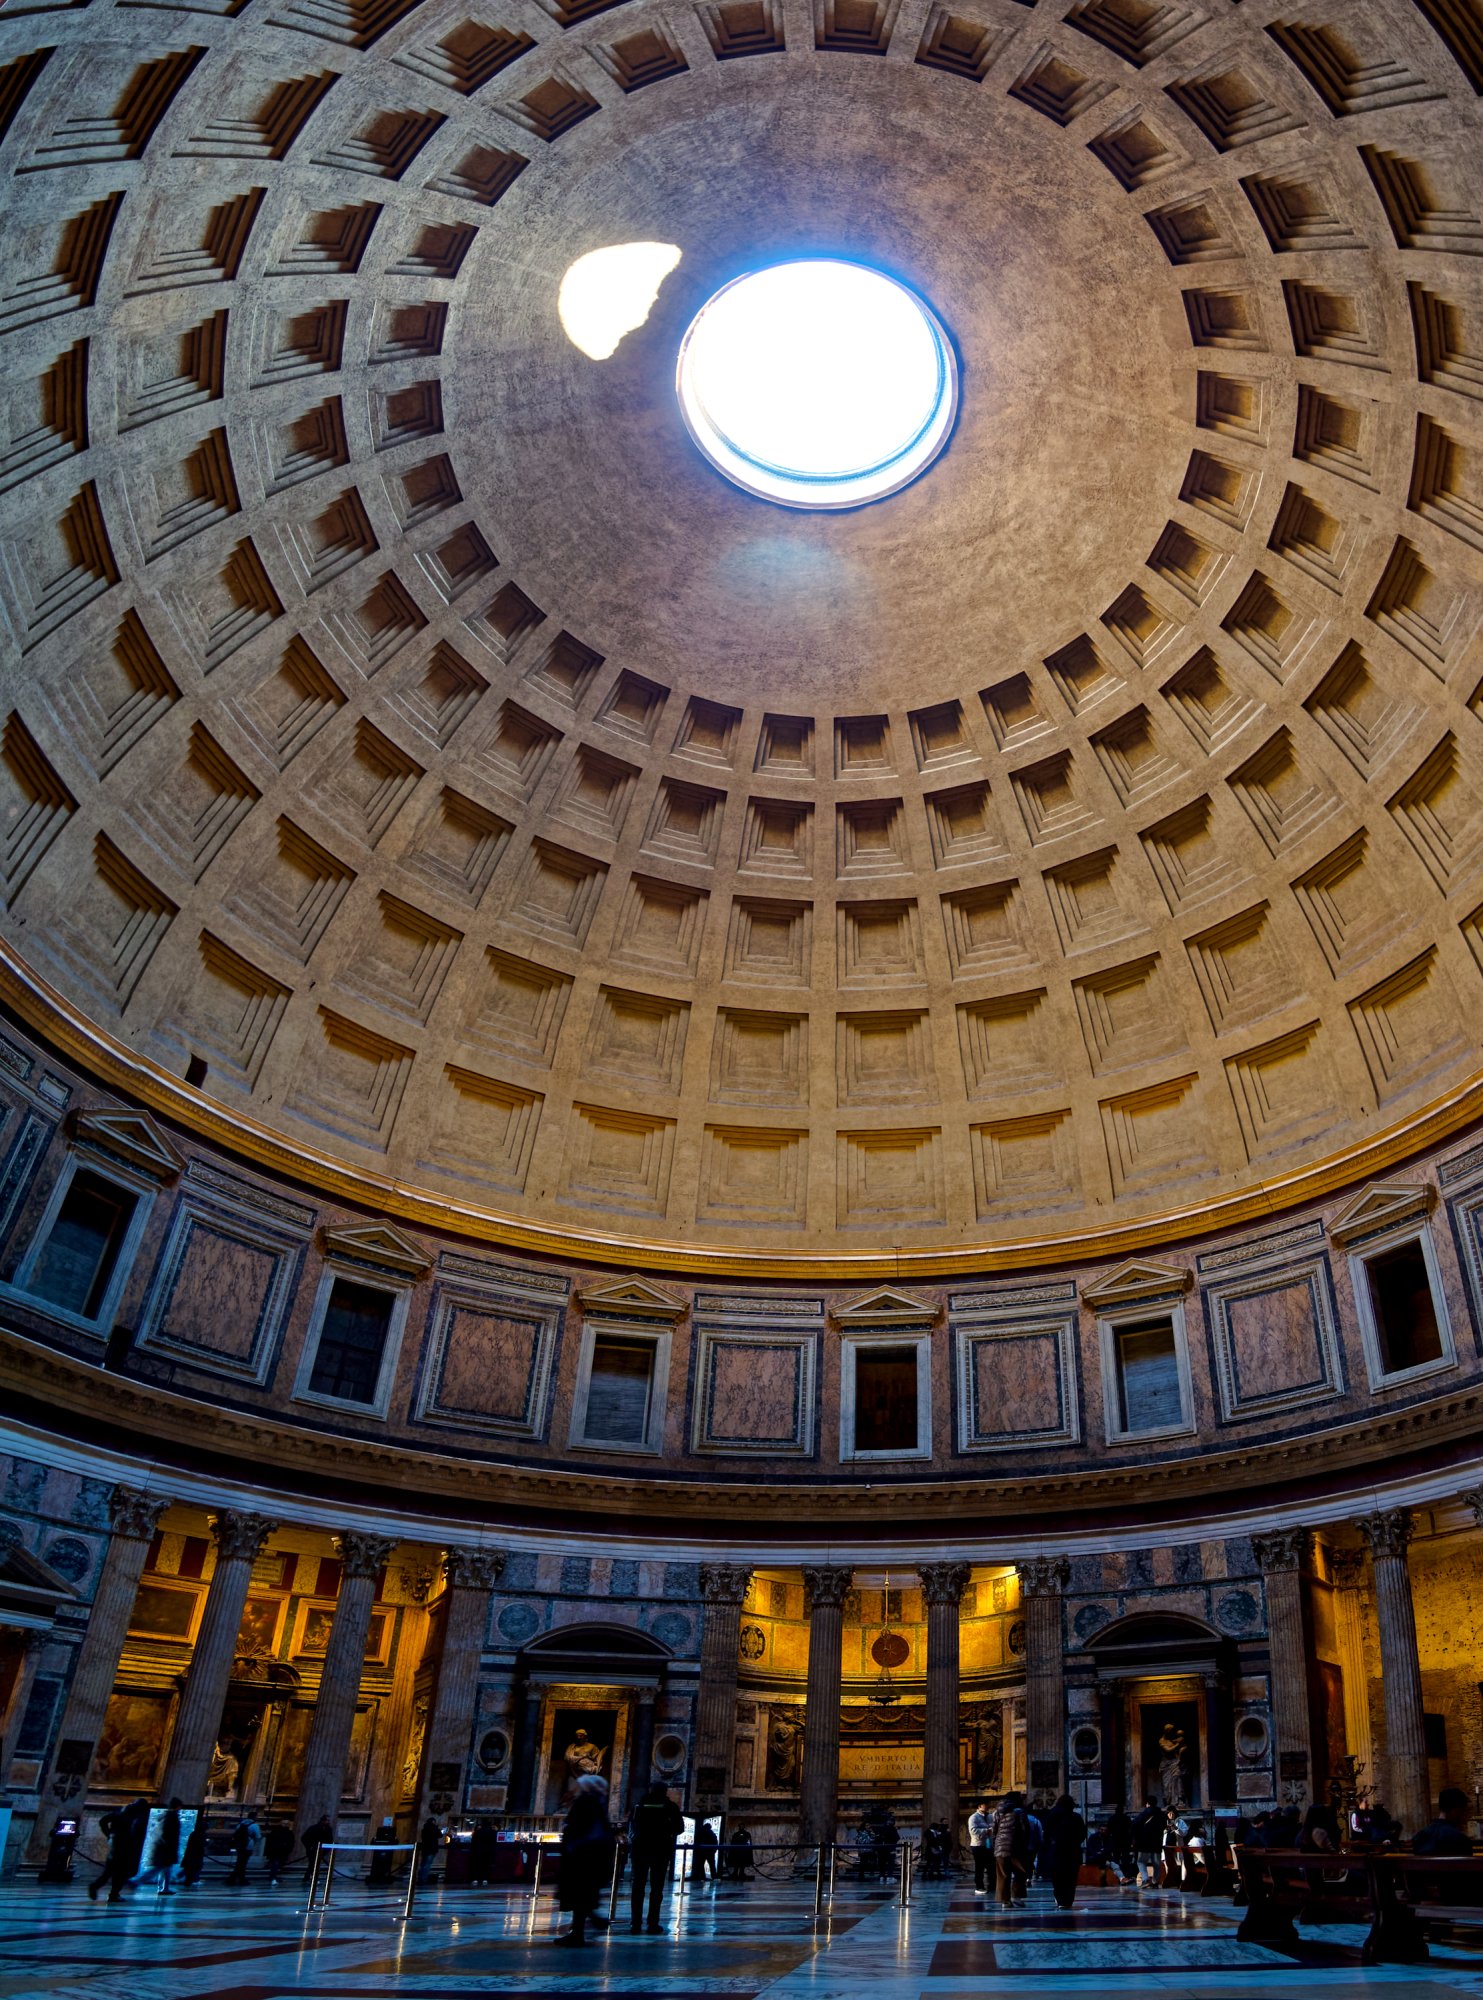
<point>754,1391</point>
<point>1275,1339</point>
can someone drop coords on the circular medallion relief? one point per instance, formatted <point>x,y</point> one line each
<point>752,1642</point>
<point>669,1752</point>
<point>890,1650</point>
<point>818,383</point>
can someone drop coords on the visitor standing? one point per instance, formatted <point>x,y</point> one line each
<point>1065,1841</point>
<point>1117,1843</point>
<point>706,1845</point>
<point>246,1841</point>
<point>312,1839</point>
<point>278,1847</point>
<point>483,1846</point>
<point>1148,1844</point>
<point>194,1858</point>
<point>587,1843</point>
<point>979,1846</point>
<point>1009,1839</point>
<point>654,1827</point>
<point>429,1846</point>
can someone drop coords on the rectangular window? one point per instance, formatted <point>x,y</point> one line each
<point>352,1343</point>
<point>620,1384</point>
<point>1406,1328</point>
<point>81,1252</point>
<point>1149,1397</point>
<point>885,1398</point>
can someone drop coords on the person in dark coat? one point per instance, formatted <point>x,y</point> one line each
<point>194,1858</point>
<point>246,1841</point>
<point>1448,1832</point>
<point>703,1862</point>
<point>656,1824</point>
<point>1117,1844</point>
<point>1065,1840</point>
<point>278,1847</point>
<point>483,1846</point>
<point>587,1843</point>
<point>429,1846</point>
<point>312,1839</point>
<point>126,1830</point>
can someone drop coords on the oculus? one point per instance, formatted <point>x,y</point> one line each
<point>818,383</point>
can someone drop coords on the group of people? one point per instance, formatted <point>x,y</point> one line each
<point>1021,1841</point>
<point>172,1863</point>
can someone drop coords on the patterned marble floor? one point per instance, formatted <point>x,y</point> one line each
<point>728,1941</point>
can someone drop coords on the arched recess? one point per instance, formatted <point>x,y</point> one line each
<point>1165,1685</point>
<point>596,1696</point>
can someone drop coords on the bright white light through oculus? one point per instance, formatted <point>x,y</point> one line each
<point>610,292</point>
<point>818,383</point>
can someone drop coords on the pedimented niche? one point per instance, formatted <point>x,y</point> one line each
<point>1136,1283</point>
<point>1382,1205</point>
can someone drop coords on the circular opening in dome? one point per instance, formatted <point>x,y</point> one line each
<point>819,383</point>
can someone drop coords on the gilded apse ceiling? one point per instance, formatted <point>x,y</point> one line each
<point>413,742</point>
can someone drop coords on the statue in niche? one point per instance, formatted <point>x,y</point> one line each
<point>221,1778</point>
<point>583,1758</point>
<point>1172,1747</point>
<point>784,1752</point>
<point>988,1747</point>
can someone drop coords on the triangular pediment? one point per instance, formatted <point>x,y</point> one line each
<point>1136,1280</point>
<point>376,1243</point>
<point>28,1582</point>
<point>633,1297</point>
<point>887,1304</point>
<point>1382,1205</point>
<point>133,1138</point>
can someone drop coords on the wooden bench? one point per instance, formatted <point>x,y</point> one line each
<point>1285,1886</point>
<point>1394,1892</point>
<point>1408,1891</point>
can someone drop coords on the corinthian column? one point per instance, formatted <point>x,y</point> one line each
<point>133,1517</point>
<point>723,1587</point>
<point>943,1585</point>
<point>240,1540</point>
<point>1408,1789</point>
<point>819,1797</point>
<point>1042,1579</point>
<point>1281,1557</point>
<point>471,1575</point>
<point>1346,1573</point>
<point>362,1558</point>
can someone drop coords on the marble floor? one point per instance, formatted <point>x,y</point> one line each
<point>754,1941</point>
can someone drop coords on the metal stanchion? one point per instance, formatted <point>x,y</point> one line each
<point>313,1877</point>
<point>905,1873</point>
<point>329,1876</point>
<point>412,1872</point>
<point>819,1879</point>
<point>617,1878</point>
<point>829,1891</point>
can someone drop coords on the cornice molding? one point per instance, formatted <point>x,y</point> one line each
<point>118,1067</point>
<point>164,1419</point>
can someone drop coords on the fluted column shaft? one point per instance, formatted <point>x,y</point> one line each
<point>133,1517</point>
<point>1407,1786</point>
<point>1281,1557</point>
<point>1346,1572</point>
<point>472,1575</point>
<point>819,1800</point>
<point>362,1558</point>
<point>240,1540</point>
<point>943,1585</point>
<point>1042,1580</point>
<point>723,1587</point>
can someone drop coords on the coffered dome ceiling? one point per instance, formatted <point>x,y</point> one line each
<point>406,723</point>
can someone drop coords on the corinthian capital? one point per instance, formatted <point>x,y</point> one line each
<point>133,1514</point>
<point>473,1569</point>
<point>1283,1549</point>
<point>827,1586</point>
<point>724,1583</point>
<point>1043,1576</point>
<point>363,1555</point>
<point>944,1583</point>
<point>1388,1531</point>
<point>241,1536</point>
<point>1474,1498</point>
